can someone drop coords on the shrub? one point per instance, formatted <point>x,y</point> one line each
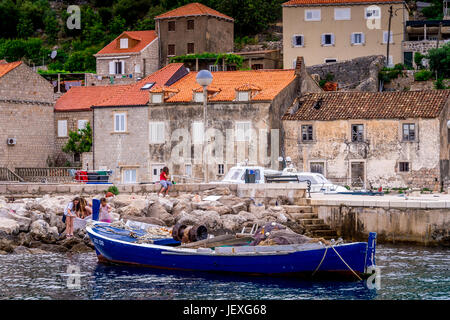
<point>439,84</point>
<point>113,189</point>
<point>423,75</point>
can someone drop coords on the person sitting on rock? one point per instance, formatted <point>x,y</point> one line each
<point>71,212</point>
<point>164,180</point>
<point>85,208</point>
<point>104,214</point>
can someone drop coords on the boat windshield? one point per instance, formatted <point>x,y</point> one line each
<point>305,177</point>
<point>322,179</point>
<point>233,174</point>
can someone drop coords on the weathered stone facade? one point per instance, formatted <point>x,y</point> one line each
<point>359,74</point>
<point>26,114</point>
<point>421,46</point>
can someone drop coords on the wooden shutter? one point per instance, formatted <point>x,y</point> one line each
<point>123,66</point>
<point>111,67</point>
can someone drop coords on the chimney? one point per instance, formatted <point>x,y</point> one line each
<point>299,65</point>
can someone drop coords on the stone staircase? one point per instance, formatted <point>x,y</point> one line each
<point>314,226</point>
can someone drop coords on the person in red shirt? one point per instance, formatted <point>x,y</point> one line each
<point>164,180</point>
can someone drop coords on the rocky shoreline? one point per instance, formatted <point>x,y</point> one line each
<point>34,225</point>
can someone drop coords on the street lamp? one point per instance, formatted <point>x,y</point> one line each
<point>204,78</point>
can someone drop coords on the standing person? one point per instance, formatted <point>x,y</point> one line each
<point>85,208</point>
<point>104,214</point>
<point>71,212</point>
<point>164,180</point>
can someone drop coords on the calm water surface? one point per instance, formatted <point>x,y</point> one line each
<point>407,273</point>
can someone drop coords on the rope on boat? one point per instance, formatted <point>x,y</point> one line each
<point>323,258</point>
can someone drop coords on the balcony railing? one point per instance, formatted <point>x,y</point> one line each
<point>44,175</point>
<point>8,175</point>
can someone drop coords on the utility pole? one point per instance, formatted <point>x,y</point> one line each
<point>389,35</point>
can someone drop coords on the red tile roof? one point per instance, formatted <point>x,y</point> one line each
<point>331,2</point>
<point>7,67</point>
<point>193,9</point>
<point>82,98</point>
<point>271,82</point>
<point>330,106</point>
<point>144,38</point>
<point>133,95</point>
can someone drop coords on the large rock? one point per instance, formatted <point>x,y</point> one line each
<point>166,203</point>
<point>149,220</point>
<point>220,191</point>
<point>233,222</point>
<point>24,222</point>
<point>157,211</point>
<point>137,207</point>
<point>210,219</point>
<point>41,230</point>
<point>182,205</point>
<point>241,206</point>
<point>123,200</point>
<point>9,226</point>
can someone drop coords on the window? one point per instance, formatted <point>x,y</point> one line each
<point>188,170</point>
<point>373,13</point>
<point>76,157</point>
<point>409,132</point>
<point>317,167</point>
<point>171,50</point>
<point>357,38</point>
<point>257,66</point>
<point>385,37</point>
<point>124,43</point>
<point>307,133</point>
<point>330,60</point>
<point>198,96</point>
<point>213,68</point>
<point>171,25</point>
<point>156,132</point>
<point>403,166</point>
<point>190,48</point>
<point>137,68</point>
<point>312,15</point>
<point>120,122</point>
<point>297,41</point>
<point>342,14</point>
<point>157,98</point>
<point>243,131</point>
<point>119,67</point>
<point>243,96</point>
<point>220,169</point>
<point>147,86</point>
<point>129,176</point>
<point>328,39</point>
<point>82,124</point>
<point>197,132</point>
<point>357,132</point>
<point>62,128</point>
<point>190,24</point>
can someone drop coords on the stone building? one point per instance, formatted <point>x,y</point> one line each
<point>263,59</point>
<point>132,55</point>
<point>160,125</point>
<point>26,117</point>
<point>326,31</point>
<point>193,28</point>
<point>372,139</point>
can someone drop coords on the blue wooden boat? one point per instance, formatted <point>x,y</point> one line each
<point>120,246</point>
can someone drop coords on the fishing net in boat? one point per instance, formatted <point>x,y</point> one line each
<point>277,234</point>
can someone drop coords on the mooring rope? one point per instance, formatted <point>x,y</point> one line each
<point>323,258</point>
<point>346,264</point>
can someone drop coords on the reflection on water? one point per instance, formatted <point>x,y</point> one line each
<point>406,273</point>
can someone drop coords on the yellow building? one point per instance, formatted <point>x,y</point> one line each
<point>324,31</point>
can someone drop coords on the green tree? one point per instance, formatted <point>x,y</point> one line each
<point>51,26</point>
<point>79,141</point>
<point>148,22</point>
<point>117,26</point>
<point>435,12</point>
<point>25,27</point>
<point>9,15</point>
<point>439,61</point>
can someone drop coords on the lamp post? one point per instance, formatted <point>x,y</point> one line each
<point>204,78</point>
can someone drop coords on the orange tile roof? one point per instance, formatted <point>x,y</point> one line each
<point>82,98</point>
<point>193,9</point>
<point>331,2</point>
<point>144,38</point>
<point>271,83</point>
<point>133,95</point>
<point>7,67</point>
<point>369,105</point>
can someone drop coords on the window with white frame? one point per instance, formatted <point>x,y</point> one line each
<point>62,128</point>
<point>385,37</point>
<point>120,122</point>
<point>82,124</point>
<point>317,167</point>
<point>124,43</point>
<point>197,132</point>
<point>357,38</point>
<point>297,40</point>
<point>188,170</point>
<point>156,132</point>
<point>243,131</point>
<point>372,13</point>
<point>198,96</point>
<point>312,15</point>
<point>157,98</point>
<point>243,96</point>
<point>327,39</point>
<point>129,176</point>
<point>342,14</point>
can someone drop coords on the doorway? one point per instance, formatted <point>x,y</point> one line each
<point>156,171</point>
<point>357,174</point>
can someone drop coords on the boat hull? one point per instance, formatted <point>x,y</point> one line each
<point>318,261</point>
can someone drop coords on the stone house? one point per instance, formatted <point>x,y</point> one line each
<point>327,31</point>
<point>162,124</point>
<point>387,139</point>
<point>193,28</point>
<point>26,117</point>
<point>263,59</point>
<point>132,55</point>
